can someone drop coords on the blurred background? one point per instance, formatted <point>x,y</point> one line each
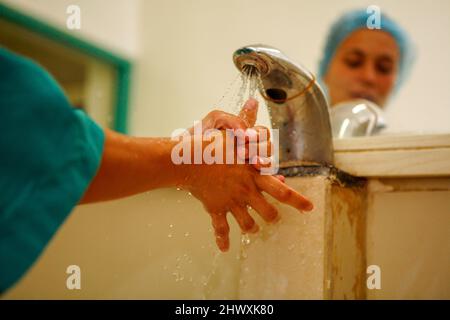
<point>181,54</point>
<point>148,67</point>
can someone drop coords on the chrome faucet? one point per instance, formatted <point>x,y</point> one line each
<point>296,103</point>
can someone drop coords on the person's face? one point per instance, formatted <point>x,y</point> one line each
<point>364,66</point>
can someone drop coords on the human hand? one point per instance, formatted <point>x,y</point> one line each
<point>224,188</point>
<point>255,137</point>
<point>232,188</point>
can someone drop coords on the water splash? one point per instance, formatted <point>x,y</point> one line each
<point>251,82</point>
<point>208,283</point>
<point>231,87</point>
<point>247,84</point>
<point>245,239</point>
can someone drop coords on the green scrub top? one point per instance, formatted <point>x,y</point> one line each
<point>49,153</point>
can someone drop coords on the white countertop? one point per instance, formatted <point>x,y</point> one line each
<point>394,155</point>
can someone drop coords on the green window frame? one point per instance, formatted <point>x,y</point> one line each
<point>122,66</point>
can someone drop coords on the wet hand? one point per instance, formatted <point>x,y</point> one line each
<point>233,188</point>
<point>224,188</point>
<point>255,136</point>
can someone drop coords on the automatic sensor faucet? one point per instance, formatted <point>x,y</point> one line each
<point>296,103</point>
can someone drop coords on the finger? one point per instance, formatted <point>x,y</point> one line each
<point>257,134</point>
<point>267,211</point>
<point>265,149</point>
<point>258,153</point>
<point>250,135</point>
<point>283,193</point>
<point>263,133</point>
<point>280,177</point>
<point>260,162</point>
<point>221,231</point>
<point>249,112</point>
<point>245,221</point>
<point>223,120</point>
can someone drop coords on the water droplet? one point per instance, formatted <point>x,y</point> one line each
<point>245,239</point>
<point>189,194</point>
<point>178,189</point>
<point>170,225</point>
<point>169,235</point>
<point>186,234</point>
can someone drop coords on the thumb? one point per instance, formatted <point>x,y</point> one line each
<point>249,112</point>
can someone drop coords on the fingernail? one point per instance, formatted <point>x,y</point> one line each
<point>251,104</point>
<point>254,229</point>
<point>309,207</point>
<point>276,219</point>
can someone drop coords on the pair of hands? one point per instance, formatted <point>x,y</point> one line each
<point>131,165</point>
<point>224,188</point>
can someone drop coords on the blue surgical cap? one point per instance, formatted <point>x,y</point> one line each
<point>358,19</point>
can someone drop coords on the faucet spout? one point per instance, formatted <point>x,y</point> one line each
<point>296,103</point>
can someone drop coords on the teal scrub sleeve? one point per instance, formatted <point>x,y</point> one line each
<point>49,154</point>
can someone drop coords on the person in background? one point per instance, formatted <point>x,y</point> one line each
<point>359,62</point>
<point>54,157</point>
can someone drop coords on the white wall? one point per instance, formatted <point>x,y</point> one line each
<point>110,24</point>
<point>185,64</point>
<point>182,50</point>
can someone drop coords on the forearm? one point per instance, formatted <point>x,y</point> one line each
<point>133,165</point>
